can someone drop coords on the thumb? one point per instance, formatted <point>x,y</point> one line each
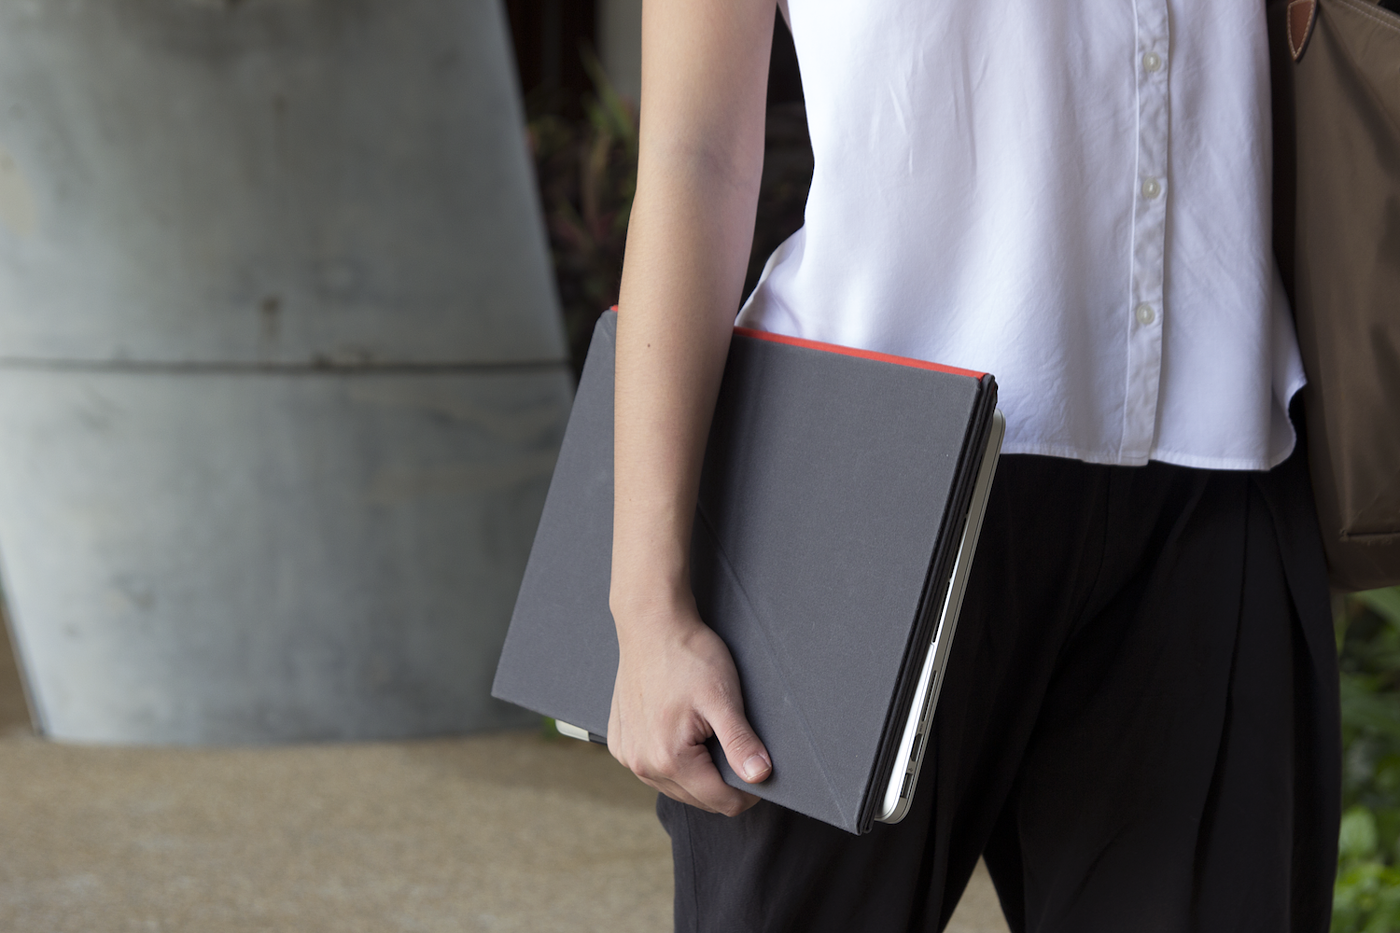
<point>742,747</point>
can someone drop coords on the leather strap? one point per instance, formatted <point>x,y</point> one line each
<point>1302,17</point>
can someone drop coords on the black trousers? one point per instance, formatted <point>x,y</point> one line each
<point>1139,729</point>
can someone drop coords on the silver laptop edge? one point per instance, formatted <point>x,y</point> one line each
<point>900,790</point>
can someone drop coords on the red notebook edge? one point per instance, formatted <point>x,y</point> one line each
<point>850,351</point>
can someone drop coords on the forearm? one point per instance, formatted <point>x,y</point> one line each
<point>688,242</point>
<point>678,300</point>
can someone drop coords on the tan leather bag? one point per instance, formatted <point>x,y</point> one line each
<point>1337,234</point>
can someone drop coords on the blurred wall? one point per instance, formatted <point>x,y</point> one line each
<point>620,44</point>
<point>281,370</point>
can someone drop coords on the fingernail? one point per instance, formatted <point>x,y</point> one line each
<point>755,766</point>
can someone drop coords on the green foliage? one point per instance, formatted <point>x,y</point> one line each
<point>1367,898</point>
<point>587,171</point>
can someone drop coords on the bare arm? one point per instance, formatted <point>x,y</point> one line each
<point>704,73</point>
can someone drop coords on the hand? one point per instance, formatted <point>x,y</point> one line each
<point>677,686</point>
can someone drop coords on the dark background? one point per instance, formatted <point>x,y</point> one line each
<point>548,34</point>
<point>583,141</point>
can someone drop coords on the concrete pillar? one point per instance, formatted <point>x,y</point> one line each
<point>620,45</point>
<point>281,371</point>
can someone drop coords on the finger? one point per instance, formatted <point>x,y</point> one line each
<point>691,778</point>
<point>742,747</point>
<point>697,775</point>
<point>614,736</point>
<point>680,794</point>
<point>650,777</point>
<point>671,788</point>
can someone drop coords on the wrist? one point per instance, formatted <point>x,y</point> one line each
<point>642,613</point>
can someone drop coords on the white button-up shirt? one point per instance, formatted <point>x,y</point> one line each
<point>1071,195</point>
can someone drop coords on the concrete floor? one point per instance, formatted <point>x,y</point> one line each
<point>503,832</point>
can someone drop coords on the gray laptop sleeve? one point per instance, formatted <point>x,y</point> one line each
<point>833,495</point>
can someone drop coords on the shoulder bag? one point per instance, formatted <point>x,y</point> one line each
<point>1336,81</point>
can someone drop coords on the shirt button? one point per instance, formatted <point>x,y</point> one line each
<point>1151,188</point>
<point>1151,62</point>
<point>1145,314</point>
